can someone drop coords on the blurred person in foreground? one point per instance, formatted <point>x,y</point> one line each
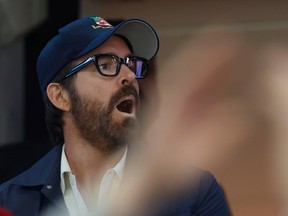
<point>88,77</point>
<point>275,105</point>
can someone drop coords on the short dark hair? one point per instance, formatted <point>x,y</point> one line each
<point>53,115</point>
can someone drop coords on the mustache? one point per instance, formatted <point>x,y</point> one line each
<point>124,91</point>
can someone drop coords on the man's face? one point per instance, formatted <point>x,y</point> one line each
<point>104,108</point>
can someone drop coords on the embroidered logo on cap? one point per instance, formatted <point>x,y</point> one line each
<point>100,23</point>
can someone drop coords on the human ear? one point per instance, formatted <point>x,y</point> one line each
<point>58,96</point>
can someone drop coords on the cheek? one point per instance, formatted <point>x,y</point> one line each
<point>94,88</point>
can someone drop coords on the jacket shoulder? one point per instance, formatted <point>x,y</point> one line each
<point>203,197</point>
<point>38,173</point>
<point>27,194</point>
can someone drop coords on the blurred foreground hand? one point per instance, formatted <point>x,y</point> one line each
<point>203,116</point>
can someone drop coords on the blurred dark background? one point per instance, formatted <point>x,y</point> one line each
<point>17,156</point>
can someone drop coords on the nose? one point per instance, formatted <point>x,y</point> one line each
<point>126,76</point>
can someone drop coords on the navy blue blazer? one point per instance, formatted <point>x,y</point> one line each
<point>37,190</point>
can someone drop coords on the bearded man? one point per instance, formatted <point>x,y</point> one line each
<point>88,77</point>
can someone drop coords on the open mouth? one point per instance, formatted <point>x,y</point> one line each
<point>127,105</point>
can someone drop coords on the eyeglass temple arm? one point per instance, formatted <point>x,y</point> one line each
<point>79,67</point>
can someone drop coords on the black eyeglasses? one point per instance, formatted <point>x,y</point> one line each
<point>110,65</point>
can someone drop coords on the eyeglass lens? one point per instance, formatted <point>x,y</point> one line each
<point>107,65</point>
<point>110,65</point>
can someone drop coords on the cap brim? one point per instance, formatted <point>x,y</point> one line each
<point>142,37</point>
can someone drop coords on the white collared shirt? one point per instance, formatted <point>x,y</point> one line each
<point>109,185</point>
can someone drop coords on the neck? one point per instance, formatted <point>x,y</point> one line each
<point>87,161</point>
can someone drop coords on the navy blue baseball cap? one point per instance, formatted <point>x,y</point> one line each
<point>86,34</point>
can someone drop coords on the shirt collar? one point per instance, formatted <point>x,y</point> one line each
<point>119,167</point>
<point>65,168</point>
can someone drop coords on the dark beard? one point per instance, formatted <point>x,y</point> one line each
<point>95,122</point>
